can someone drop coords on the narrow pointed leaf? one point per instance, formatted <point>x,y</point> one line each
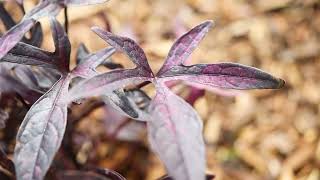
<point>62,45</point>
<point>175,134</point>
<point>87,68</point>
<point>184,46</point>
<point>224,75</point>
<point>41,132</point>
<point>29,55</point>
<point>14,35</point>
<point>126,45</point>
<point>106,83</point>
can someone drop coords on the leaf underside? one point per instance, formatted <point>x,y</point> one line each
<point>175,134</point>
<point>41,132</point>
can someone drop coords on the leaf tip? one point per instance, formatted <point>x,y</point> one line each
<point>208,23</point>
<point>98,30</point>
<point>95,28</point>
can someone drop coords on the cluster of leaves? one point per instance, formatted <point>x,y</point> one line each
<point>174,128</point>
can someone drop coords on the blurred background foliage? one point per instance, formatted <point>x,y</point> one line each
<point>265,134</point>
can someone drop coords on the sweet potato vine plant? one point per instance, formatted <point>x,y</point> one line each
<point>174,128</point>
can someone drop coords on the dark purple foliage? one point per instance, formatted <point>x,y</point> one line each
<point>175,129</point>
<point>42,130</point>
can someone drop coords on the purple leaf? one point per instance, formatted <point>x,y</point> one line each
<point>87,68</point>
<point>40,134</point>
<point>224,75</point>
<point>82,2</point>
<point>26,54</point>
<point>45,8</point>
<point>175,134</point>
<point>128,46</point>
<point>14,35</point>
<point>36,31</point>
<point>117,99</point>
<point>184,46</point>
<point>106,83</point>
<point>62,45</point>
